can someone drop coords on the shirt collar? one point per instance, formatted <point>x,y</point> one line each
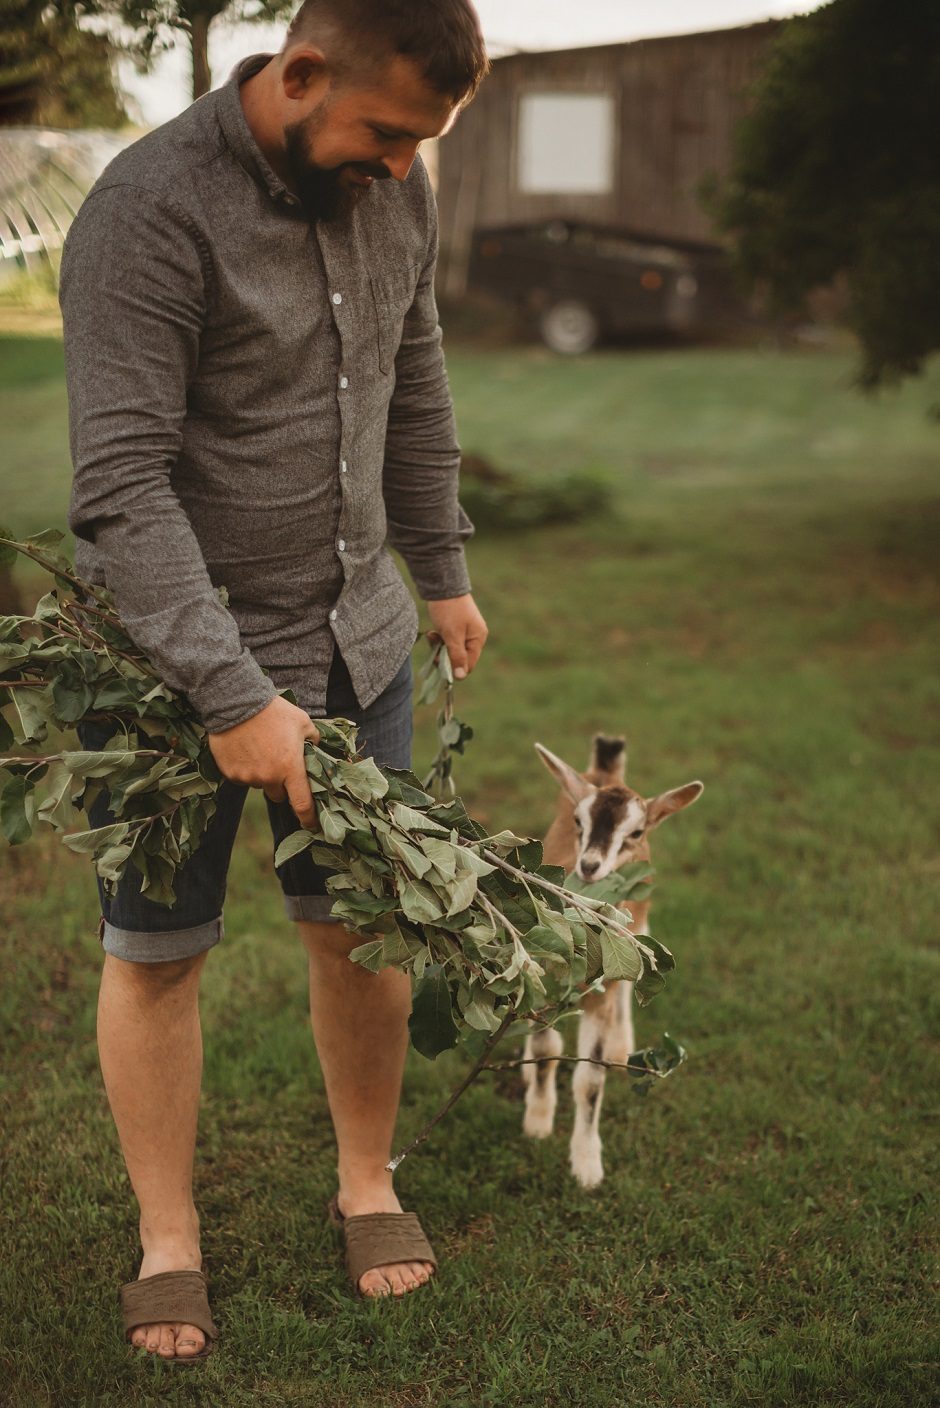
<point>239,136</point>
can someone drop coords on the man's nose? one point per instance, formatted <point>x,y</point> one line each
<point>400,164</point>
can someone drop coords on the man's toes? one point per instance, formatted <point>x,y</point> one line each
<point>189,1340</point>
<point>167,1342</point>
<point>398,1276</point>
<point>374,1282</point>
<point>139,1336</point>
<point>153,1337</point>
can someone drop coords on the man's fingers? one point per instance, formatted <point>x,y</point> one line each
<point>274,792</point>
<point>474,650</point>
<point>301,799</point>
<point>457,651</point>
<point>312,732</point>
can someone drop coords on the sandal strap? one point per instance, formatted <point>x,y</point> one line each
<point>380,1238</point>
<point>169,1296</point>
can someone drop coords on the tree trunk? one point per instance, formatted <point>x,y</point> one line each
<point>199,40</point>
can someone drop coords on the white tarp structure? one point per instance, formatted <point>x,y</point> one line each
<point>45,174</point>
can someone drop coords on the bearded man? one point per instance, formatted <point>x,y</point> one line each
<point>258,400</point>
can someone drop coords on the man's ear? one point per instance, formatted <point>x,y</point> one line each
<point>572,782</point>
<point>658,808</point>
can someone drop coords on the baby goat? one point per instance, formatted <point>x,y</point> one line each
<point>600,825</point>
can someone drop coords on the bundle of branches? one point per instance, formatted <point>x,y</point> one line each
<point>489,933</point>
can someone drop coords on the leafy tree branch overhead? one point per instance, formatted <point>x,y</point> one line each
<point>154,24</point>
<point>837,175</point>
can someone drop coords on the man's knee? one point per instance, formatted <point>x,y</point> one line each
<point>164,976</point>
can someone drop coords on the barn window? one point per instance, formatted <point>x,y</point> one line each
<point>565,143</point>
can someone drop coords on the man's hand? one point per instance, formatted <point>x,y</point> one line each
<point>463,630</point>
<point>267,751</point>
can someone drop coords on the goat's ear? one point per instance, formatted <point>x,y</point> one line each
<point>658,808</point>
<point>573,783</point>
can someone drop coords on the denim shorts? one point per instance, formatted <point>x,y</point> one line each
<point>135,928</point>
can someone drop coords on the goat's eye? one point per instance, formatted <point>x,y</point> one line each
<point>635,834</point>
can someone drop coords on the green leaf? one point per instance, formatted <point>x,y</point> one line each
<point>431,1023</point>
<point>411,820</point>
<point>449,732</point>
<point>14,816</point>
<point>620,958</point>
<point>292,845</point>
<point>98,764</point>
<point>462,893</point>
<point>6,733</point>
<point>369,955</point>
<point>56,807</point>
<point>404,787</point>
<point>416,861</point>
<point>442,854</point>
<point>86,842</point>
<point>419,902</point>
<point>363,779</point>
<point>33,711</point>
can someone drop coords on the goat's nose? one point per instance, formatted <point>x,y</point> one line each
<point>590,867</point>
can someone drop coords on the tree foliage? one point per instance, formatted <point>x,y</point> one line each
<point>154,25</point>
<point>837,175</point>
<point>52,73</point>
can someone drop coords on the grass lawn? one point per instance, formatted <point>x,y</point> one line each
<point>760,611</point>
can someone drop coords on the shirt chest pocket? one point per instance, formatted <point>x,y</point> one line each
<point>392,295</point>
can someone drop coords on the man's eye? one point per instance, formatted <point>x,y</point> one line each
<point>383,136</point>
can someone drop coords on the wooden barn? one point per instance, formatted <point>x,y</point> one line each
<point>618,135</point>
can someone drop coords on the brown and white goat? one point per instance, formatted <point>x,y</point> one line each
<point>600,825</point>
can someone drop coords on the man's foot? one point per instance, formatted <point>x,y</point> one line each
<point>172,1339</point>
<point>399,1276</point>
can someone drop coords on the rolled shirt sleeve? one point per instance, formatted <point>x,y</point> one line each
<point>133,286</point>
<point>426,523</point>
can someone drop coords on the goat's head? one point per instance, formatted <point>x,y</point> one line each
<point>611,820</point>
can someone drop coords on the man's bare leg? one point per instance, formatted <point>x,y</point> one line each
<point>150,1049</point>
<point>360,1027</point>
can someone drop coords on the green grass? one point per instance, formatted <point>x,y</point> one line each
<point>761,613</point>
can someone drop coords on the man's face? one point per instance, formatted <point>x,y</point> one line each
<point>354,135</point>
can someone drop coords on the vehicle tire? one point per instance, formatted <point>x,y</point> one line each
<point>569,327</point>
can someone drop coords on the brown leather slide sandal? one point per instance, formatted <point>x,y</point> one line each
<point>378,1239</point>
<point>180,1296</point>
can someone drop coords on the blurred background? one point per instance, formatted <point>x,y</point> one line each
<point>689,292</point>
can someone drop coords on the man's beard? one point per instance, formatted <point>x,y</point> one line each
<point>319,188</point>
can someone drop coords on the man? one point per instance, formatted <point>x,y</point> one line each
<point>258,400</point>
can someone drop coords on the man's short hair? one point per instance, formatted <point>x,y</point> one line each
<point>442,37</point>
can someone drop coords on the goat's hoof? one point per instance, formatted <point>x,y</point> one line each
<point>538,1124</point>
<point>588,1170</point>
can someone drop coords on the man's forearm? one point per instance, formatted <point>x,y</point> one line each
<point>176,617</point>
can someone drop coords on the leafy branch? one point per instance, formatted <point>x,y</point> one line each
<point>488,933</point>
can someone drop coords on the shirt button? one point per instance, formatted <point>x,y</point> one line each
<point>342,544</point>
<point>333,615</point>
<point>337,298</point>
<point>342,467</point>
<point>344,382</point>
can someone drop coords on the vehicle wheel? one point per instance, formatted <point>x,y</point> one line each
<point>569,327</point>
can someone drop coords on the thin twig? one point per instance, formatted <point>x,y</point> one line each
<point>475,1070</point>
<point>612,1065</point>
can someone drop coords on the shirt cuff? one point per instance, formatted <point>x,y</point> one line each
<point>233,697</point>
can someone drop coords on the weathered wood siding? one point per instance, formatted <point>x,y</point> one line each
<point>677,101</point>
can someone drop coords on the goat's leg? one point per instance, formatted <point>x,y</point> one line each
<point>539,1078</point>
<point>606,1034</point>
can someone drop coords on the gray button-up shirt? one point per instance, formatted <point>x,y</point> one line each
<point>257,401</point>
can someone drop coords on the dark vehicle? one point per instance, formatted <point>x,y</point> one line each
<point>582,283</point>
